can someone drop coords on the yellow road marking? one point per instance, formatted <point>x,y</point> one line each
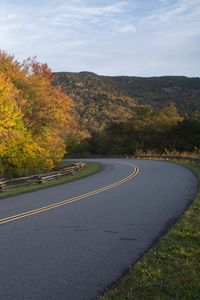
<point>70,200</point>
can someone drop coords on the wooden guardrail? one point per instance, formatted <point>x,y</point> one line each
<point>34,179</point>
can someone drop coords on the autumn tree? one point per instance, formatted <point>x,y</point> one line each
<point>34,116</point>
<point>152,124</point>
<point>148,129</point>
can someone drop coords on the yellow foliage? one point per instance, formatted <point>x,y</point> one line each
<point>33,116</point>
<point>147,116</point>
<point>9,112</point>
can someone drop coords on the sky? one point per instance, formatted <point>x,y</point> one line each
<point>113,37</point>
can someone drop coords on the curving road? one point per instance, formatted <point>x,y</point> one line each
<point>72,241</point>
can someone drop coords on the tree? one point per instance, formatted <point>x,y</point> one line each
<point>152,125</point>
<point>148,129</point>
<point>185,135</point>
<point>34,116</point>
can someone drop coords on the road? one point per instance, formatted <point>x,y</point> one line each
<point>73,250</point>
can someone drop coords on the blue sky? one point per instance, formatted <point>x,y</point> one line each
<point>113,37</point>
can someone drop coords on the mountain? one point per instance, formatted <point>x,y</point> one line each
<point>102,99</point>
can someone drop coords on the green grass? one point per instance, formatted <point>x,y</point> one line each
<point>171,269</point>
<point>90,168</point>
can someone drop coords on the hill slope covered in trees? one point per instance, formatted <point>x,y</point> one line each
<point>124,115</point>
<point>100,100</point>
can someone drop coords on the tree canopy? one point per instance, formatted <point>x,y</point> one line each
<point>34,116</point>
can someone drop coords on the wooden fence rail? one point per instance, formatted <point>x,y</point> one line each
<point>34,179</point>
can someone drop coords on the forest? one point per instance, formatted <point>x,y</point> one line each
<point>127,115</point>
<point>100,100</point>
<point>45,116</point>
<point>149,130</point>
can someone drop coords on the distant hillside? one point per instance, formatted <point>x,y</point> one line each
<point>101,99</point>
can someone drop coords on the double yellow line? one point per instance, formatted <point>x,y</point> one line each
<point>70,200</point>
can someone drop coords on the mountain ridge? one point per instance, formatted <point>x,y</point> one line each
<point>101,99</point>
<point>129,76</point>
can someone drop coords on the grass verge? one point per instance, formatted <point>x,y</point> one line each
<point>171,269</point>
<point>90,168</point>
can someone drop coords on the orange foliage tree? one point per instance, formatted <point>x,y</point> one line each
<point>34,114</point>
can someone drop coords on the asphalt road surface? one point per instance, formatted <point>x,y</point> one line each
<point>73,250</point>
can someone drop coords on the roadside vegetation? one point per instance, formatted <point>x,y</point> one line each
<point>89,169</point>
<point>171,269</point>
